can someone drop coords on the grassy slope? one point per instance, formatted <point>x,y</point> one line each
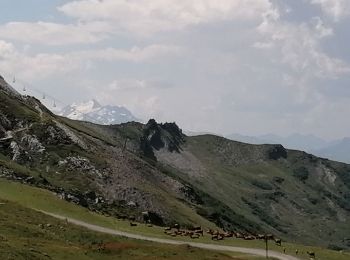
<point>242,188</point>
<point>30,197</point>
<point>27,234</point>
<point>228,184</point>
<point>97,138</point>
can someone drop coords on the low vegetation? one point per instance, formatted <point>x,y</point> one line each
<point>30,235</point>
<point>24,227</point>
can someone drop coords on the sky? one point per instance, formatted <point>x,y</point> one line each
<point>221,66</point>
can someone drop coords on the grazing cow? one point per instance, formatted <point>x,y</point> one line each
<point>167,229</point>
<point>199,232</point>
<point>248,237</point>
<point>261,237</point>
<point>195,236</point>
<point>210,231</point>
<point>133,224</point>
<point>217,237</point>
<point>239,235</point>
<point>278,242</point>
<point>311,254</point>
<point>296,251</point>
<point>196,228</point>
<point>228,234</point>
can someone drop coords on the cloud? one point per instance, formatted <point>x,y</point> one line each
<point>33,67</point>
<point>300,46</point>
<point>337,9</point>
<point>45,65</point>
<point>135,54</point>
<point>136,84</point>
<point>145,17</point>
<point>263,45</point>
<point>54,33</point>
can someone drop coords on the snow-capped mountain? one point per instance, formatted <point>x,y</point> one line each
<point>93,112</point>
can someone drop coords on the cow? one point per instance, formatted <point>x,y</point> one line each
<point>177,226</point>
<point>260,236</point>
<point>199,232</point>
<point>311,254</point>
<point>278,242</point>
<point>248,237</point>
<point>194,236</point>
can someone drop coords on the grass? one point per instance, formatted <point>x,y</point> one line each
<point>30,197</point>
<point>266,192</point>
<point>27,234</point>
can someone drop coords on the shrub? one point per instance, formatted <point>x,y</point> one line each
<point>302,173</point>
<point>278,180</point>
<point>262,185</point>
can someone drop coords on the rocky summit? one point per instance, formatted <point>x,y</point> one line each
<point>92,111</point>
<point>132,168</point>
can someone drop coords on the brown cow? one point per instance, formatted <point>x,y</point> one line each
<point>311,254</point>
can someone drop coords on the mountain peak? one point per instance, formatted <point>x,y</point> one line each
<point>94,112</point>
<point>86,106</point>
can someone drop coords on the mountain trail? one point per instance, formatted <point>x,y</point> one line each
<point>257,252</point>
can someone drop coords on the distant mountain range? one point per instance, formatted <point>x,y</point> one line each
<point>92,111</point>
<point>338,150</point>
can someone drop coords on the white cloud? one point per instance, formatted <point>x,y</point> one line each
<point>129,84</point>
<point>146,17</point>
<point>263,45</point>
<point>54,33</point>
<point>135,54</point>
<point>334,8</point>
<point>33,67</point>
<point>44,65</point>
<point>299,45</point>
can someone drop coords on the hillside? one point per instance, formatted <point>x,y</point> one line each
<point>30,235</point>
<point>128,169</point>
<point>337,150</point>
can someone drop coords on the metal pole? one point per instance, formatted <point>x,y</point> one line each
<point>267,248</point>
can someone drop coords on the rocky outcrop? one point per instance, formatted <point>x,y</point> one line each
<point>277,152</point>
<point>5,125</point>
<point>158,136</point>
<point>79,164</point>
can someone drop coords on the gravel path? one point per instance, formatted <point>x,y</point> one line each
<point>258,252</point>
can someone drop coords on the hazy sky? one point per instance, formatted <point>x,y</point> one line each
<point>224,66</point>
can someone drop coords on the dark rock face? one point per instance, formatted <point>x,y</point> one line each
<point>158,136</point>
<point>277,152</point>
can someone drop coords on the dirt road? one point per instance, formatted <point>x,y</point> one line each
<point>258,252</point>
